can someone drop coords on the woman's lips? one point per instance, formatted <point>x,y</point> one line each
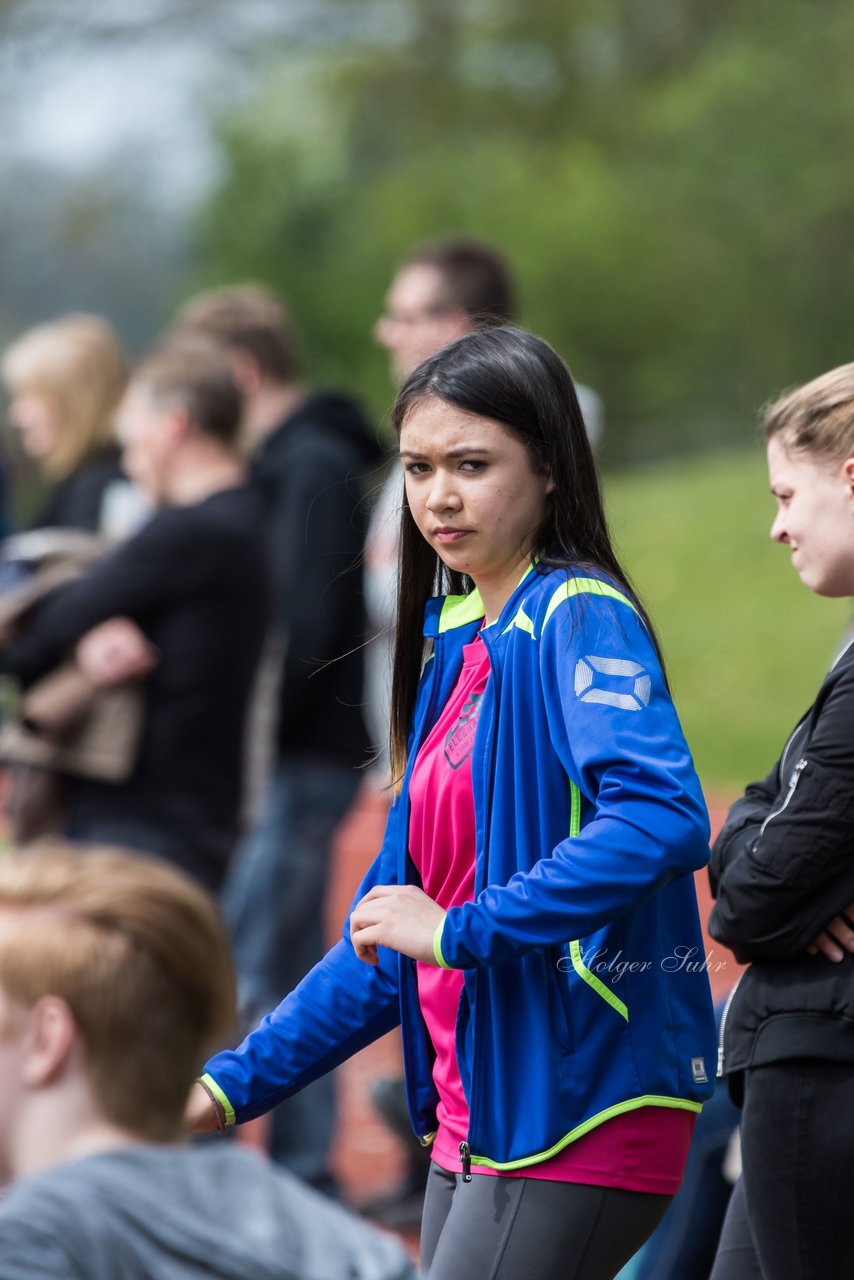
<point>450,535</point>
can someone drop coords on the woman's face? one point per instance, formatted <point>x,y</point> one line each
<point>815,517</point>
<point>473,494</point>
<point>34,420</point>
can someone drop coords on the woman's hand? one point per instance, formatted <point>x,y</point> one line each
<point>397,916</point>
<point>835,938</point>
<point>202,1114</point>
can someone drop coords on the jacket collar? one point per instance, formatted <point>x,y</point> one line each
<point>448,613</point>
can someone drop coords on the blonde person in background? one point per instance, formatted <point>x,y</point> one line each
<point>782,871</point>
<point>65,380</point>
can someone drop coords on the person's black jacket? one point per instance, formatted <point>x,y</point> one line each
<point>77,500</point>
<point>781,869</point>
<point>315,473</point>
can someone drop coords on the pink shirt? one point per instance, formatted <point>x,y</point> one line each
<point>643,1150</point>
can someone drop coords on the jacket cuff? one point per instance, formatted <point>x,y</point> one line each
<point>437,945</point>
<point>225,1110</point>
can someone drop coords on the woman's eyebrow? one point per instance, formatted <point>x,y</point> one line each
<point>459,451</point>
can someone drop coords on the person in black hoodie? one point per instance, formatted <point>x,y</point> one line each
<point>782,872</point>
<point>314,460</point>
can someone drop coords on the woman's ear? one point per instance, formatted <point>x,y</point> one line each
<point>848,472</point>
<point>246,372</point>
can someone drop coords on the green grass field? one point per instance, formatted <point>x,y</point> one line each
<point>745,642</point>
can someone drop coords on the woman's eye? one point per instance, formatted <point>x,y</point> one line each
<point>416,468</point>
<point>472,465</point>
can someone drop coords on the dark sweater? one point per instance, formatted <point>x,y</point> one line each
<point>77,500</point>
<point>195,579</point>
<point>315,472</point>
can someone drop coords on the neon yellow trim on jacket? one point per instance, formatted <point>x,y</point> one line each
<point>520,620</point>
<point>212,1087</point>
<point>584,586</point>
<point>458,611</point>
<point>619,1109</point>
<point>575,809</point>
<point>437,945</point>
<point>575,947</point>
<point>596,983</point>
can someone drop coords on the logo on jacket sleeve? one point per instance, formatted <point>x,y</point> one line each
<point>614,682</point>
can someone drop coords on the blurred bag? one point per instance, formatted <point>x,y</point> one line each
<point>63,725</point>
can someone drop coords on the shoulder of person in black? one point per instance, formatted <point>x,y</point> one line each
<point>221,541</point>
<point>326,422</point>
<point>782,868</point>
<point>76,500</point>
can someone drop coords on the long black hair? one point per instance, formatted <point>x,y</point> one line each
<point>517,380</point>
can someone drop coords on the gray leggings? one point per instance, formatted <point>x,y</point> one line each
<point>528,1229</point>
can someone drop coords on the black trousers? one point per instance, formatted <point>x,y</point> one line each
<point>789,1217</point>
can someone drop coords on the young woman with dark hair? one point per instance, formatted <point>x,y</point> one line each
<point>516,380</point>
<point>528,918</point>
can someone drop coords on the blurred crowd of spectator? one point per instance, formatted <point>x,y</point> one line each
<point>195,624</point>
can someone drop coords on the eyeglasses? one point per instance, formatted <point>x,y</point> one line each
<point>406,319</point>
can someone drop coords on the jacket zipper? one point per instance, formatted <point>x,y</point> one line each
<point>724,1016</point>
<point>422,733</point>
<point>465,1148</point>
<point>788,745</point>
<point>793,782</point>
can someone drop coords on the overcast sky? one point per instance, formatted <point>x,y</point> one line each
<point>107,116</point>
<point>80,85</point>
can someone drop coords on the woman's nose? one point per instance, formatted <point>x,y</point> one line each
<point>778,528</point>
<point>443,493</point>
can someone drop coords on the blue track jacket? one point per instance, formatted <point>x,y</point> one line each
<point>585,990</point>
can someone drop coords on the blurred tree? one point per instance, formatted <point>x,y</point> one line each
<point>670,180</point>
